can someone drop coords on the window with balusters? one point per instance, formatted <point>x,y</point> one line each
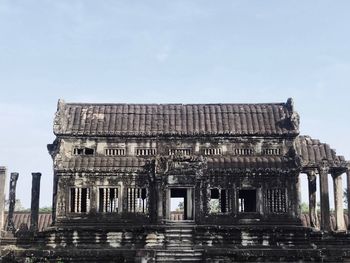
<point>137,200</point>
<point>145,151</point>
<point>219,201</point>
<point>271,151</point>
<point>243,151</point>
<point>108,200</point>
<point>212,151</point>
<point>115,151</point>
<point>176,151</point>
<point>275,200</point>
<point>79,200</point>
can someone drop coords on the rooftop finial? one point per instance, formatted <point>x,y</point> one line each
<point>60,104</point>
<point>290,104</point>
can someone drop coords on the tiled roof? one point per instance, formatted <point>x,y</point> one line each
<point>312,153</point>
<point>175,119</point>
<point>130,164</point>
<point>106,164</point>
<point>251,162</point>
<point>19,218</point>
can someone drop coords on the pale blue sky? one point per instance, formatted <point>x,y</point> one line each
<point>182,51</point>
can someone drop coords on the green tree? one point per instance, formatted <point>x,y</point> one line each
<point>304,207</point>
<point>180,206</point>
<point>18,206</point>
<point>214,206</point>
<point>346,195</point>
<point>45,209</point>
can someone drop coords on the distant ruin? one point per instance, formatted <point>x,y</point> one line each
<point>235,167</point>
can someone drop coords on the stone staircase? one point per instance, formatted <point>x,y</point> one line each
<point>179,245</point>
<point>178,256</point>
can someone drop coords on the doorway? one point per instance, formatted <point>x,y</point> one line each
<point>247,201</point>
<point>181,204</point>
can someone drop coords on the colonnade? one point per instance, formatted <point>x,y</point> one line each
<point>325,222</point>
<point>34,214</point>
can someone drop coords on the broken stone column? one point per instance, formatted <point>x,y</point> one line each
<point>311,176</point>
<point>34,209</point>
<point>2,197</point>
<point>348,192</point>
<point>338,202</point>
<point>325,215</point>
<point>12,202</point>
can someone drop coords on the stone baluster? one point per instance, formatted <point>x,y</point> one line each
<point>325,215</point>
<point>12,202</point>
<point>34,209</point>
<point>338,202</point>
<point>311,176</point>
<point>2,197</point>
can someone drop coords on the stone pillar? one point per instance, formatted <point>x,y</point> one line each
<point>348,193</point>
<point>338,202</point>
<point>311,176</point>
<point>12,202</point>
<point>297,197</point>
<point>325,215</point>
<point>159,201</point>
<point>34,209</point>
<point>2,197</point>
<point>189,195</point>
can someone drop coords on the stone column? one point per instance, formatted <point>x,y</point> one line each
<point>338,202</point>
<point>159,201</point>
<point>2,197</point>
<point>34,209</point>
<point>348,193</point>
<point>311,176</point>
<point>297,187</point>
<point>12,202</point>
<point>325,215</point>
<point>189,195</point>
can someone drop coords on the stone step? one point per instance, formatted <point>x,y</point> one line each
<point>179,248</point>
<point>178,230</point>
<point>174,235</point>
<point>181,253</point>
<point>179,242</point>
<point>174,260</point>
<point>176,256</point>
<point>171,243</point>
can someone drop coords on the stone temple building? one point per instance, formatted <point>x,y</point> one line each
<point>235,169</point>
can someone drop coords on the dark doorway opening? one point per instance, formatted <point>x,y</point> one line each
<point>247,201</point>
<point>179,204</point>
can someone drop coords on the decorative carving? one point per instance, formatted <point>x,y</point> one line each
<point>324,166</point>
<point>290,104</point>
<point>186,164</point>
<point>294,120</point>
<point>59,120</point>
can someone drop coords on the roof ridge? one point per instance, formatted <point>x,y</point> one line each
<point>167,104</point>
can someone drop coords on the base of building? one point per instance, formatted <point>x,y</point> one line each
<point>180,243</point>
